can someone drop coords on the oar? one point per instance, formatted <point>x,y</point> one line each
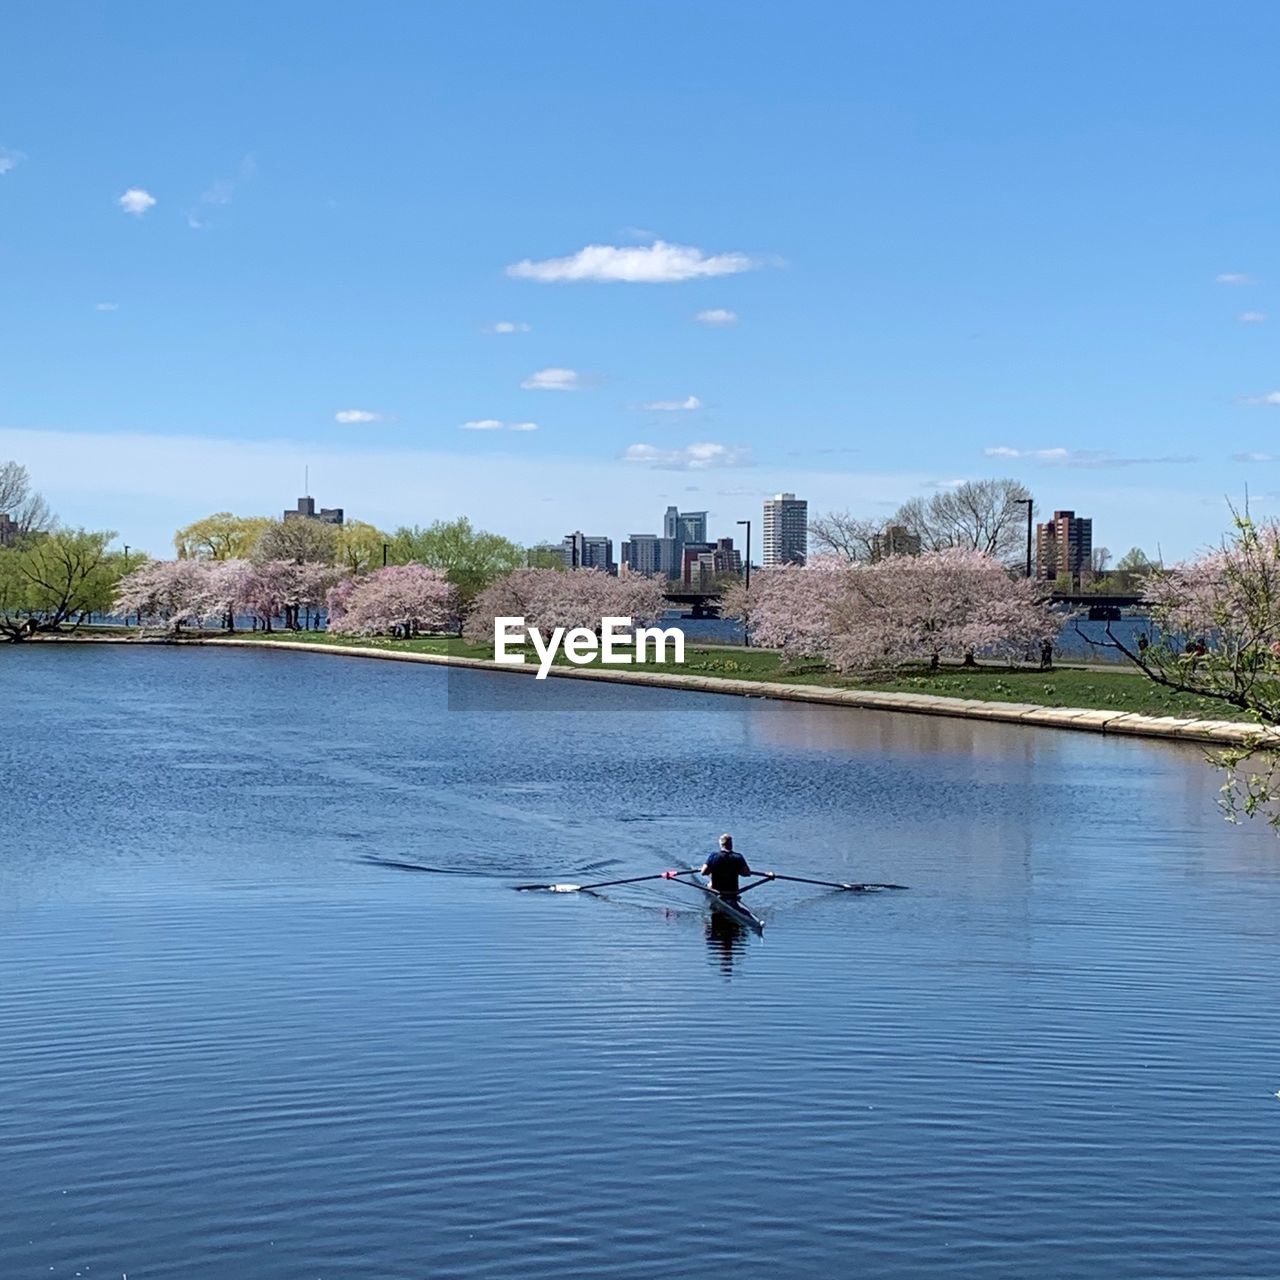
<point>602,884</point>
<point>837,884</point>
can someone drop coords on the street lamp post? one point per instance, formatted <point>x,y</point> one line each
<point>384,554</point>
<point>1027,502</point>
<point>746,633</point>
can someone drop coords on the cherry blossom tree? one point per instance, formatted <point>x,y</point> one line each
<point>1216,634</point>
<point>166,593</point>
<point>403,599</point>
<point>896,611</point>
<point>550,598</point>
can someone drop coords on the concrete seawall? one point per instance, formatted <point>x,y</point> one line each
<point>1222,733</point>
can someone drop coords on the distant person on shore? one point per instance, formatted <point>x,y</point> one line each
<point>1046,655</point>
<point>726,867</point>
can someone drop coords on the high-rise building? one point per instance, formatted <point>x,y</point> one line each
<point>584,552</point>
<point>786,530</point>
<point>642,553</point>
<point>1064,546</point>
<point>693,526</point>
<point>678,529</point>
<point>307,511</point>
<point>8,530</point>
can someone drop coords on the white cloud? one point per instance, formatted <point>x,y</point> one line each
<point>693,457</point>
<point>659,263</point>
<point>1253,457</point>
<point>1088,459</point>
<point>553,380</point>
<point>522,426</point>
<point>359,415</point>
<point>673,406</point>
<point>509,326</point>
<point>496,424</point>
<point>717,317</point>
<point>1041,455</point>
<point>1252,317</point>
<point>10,159</point>
<point>136,201</point>
<point>106,306</point>
<point>1271,397</point>
<point>1233,277</point>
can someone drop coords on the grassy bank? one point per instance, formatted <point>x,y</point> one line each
<point>1097,690</point>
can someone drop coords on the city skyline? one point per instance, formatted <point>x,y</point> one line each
<point>896,275</point>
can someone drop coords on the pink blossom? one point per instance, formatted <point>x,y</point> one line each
<point>550,598</point>
<point>898,610</point>
<point>404,598</point>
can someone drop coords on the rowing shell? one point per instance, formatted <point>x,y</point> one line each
<point>735,911</point>
<point>727,907</point>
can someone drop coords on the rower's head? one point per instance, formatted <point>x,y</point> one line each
<point>726,842</point>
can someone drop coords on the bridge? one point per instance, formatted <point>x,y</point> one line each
<point>706,604</point>
<point>700,604</point>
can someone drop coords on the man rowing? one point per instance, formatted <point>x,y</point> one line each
<point>725,867</point>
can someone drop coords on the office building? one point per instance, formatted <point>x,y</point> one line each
<point>678,529</point>
<point>584,552</point>
<point>786,530</point>
<point>307,511</point>
<point>894,540</point>
<point>1064,546</point>
<point>643,553</point>
<point>704,564</point>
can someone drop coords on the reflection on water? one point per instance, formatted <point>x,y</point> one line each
<point>233,1043</point>
<point>726,939</point>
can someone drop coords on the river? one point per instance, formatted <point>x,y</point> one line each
<point>234,1042</point>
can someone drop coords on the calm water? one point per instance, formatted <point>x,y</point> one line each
<point>231,1048</point>
<point>1073,642</point>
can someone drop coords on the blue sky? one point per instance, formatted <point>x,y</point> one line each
<point>943,230</point>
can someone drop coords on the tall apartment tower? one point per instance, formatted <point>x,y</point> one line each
<point>643,553</point>
<point>1064,546</point>
<point>786,530</point>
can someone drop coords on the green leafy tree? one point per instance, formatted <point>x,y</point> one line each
<point>55,580</point>
<point>359,546</point>
<point>544,555</point>
<point>221,536</point>
<point>470,558</point>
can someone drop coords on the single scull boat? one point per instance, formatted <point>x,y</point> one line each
<point>729,907</point>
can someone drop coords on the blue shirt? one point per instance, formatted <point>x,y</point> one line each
<point>724,867</point>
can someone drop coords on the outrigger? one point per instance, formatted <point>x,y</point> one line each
<point>729,907</point>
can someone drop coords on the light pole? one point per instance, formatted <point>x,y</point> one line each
<point>746,632</point>
<point>384,555</point>
<point>1027,502</point>
<point>126,569</point>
